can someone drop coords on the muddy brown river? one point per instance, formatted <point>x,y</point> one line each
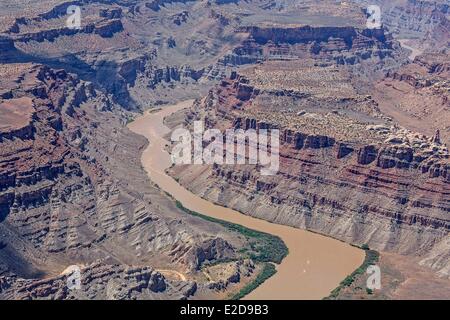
<point>315,264</point>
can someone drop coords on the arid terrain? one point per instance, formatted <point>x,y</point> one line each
<point>364,121</point>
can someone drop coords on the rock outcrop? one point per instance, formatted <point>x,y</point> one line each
<point>65,197</point>
<point>385,186</point>
<point>104,29</point>
<point>417,94</point>
<point>344,45</point>
<point>98,281</point>
<point>425,22</point>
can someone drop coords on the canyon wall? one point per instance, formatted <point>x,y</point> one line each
<point>390,191</point>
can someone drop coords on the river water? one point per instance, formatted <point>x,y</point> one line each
<point>315,264</point>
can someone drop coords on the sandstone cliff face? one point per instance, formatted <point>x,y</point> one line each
<point>168,74</point>
<point>387,188</point>
<point>344,45</point>
<point>104,29</point>
<point>65,197</point>
<point>306,34</point>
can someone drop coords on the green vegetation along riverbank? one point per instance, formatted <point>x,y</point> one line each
<point>371,258</point>
<point>263,247</point>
